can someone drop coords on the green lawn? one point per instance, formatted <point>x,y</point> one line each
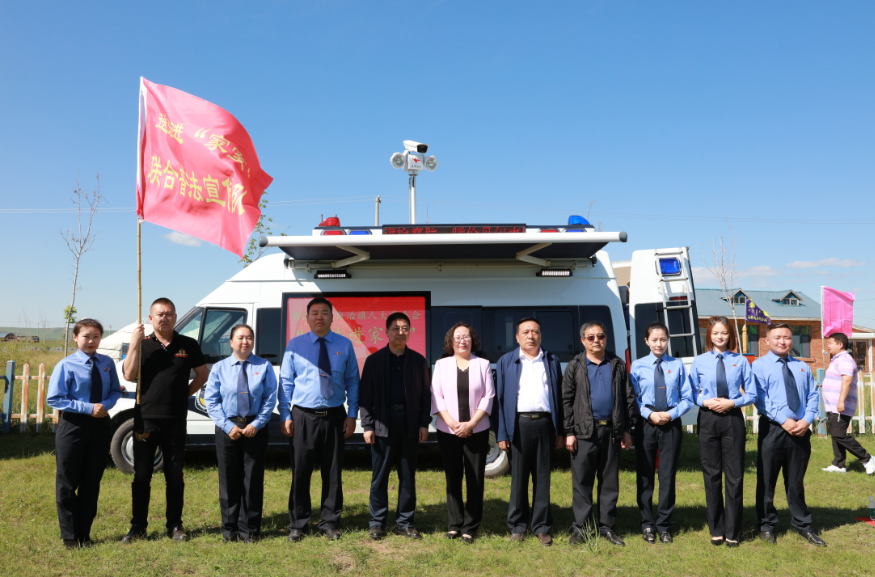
<point>30,543</point>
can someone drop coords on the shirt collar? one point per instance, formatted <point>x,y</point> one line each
<point>238,361</point>
<point>314,337</point>
<point>540,356</point>
<point>653,358</point>
<point>83,357</point>
<point>591,362</point>
<point>776,359</point>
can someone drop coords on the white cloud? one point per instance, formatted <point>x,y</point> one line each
<point>760,272</point>
<point>183,239</point>
<point>825,262</point>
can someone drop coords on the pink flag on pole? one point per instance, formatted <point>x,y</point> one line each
<point>838,312</point>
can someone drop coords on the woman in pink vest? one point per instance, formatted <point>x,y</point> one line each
<point>462,390</point>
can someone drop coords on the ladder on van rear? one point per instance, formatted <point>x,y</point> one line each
<point>675,288</point>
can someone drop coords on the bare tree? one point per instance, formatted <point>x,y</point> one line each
<point>723,267</point>
<point>79,243</point>
<point>262,228</point>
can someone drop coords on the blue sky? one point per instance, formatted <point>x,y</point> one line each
<point>668,115</point>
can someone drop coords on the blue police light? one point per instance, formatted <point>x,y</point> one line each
<point>670,266</point>
<point>575,219</point>
<point>359,232</point>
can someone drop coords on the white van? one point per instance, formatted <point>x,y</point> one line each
<point>487,275</point>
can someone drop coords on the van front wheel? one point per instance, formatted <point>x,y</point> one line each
<point>122,449</point>
<point>497,461</point>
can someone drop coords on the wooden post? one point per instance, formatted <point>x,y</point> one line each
<point>139,306</point>
<point>41,397</point>
<point>744,337</point>
<point>6,425</point>
<point>25,390</point>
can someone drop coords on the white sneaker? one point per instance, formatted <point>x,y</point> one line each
<point>870,465</point>
<point>834,469</point>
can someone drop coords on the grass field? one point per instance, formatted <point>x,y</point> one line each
<point>30,543</point>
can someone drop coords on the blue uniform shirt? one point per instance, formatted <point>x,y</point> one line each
<point>677,388</point>
<point>600,393</point>
<point>768,373</point>
<point>70,385</point>
<point>703,378</point>
<point>220,395</point>
<point>299,376</point>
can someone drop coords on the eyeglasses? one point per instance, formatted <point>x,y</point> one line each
<point>401,329</point>
<point>598,337</point>
<point>461,339</point>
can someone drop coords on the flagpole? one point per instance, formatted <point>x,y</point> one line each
<point>139,305</point>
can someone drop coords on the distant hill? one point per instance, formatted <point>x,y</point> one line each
<point>49,333</point>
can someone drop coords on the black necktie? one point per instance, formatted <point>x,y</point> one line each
<point>659,394</point>
<point>96,394</point>
<point>243,391</point>
<point>722,385</point>
<point>326,385</point>
<point>790,387</point>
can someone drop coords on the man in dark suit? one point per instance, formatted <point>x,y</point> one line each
<point>530,427</point>
<point>395,408</point>
<point>600,408</point>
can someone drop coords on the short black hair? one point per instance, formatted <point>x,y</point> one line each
<point>588,325</point>
<point>397,316</point>
<point>840,338</point>
<point>87,323</point>
<point>657,326</point>
<point>235,328</point>
<point>163,301</point>
<point>774,326</point>
<point>527,320</point>
<point>319,301</point>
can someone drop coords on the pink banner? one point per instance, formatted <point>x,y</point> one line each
<point>838,312</point>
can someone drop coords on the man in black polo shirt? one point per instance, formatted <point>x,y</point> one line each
<point>161,411</point>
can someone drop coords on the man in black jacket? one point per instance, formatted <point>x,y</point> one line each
<point>599,408</point>
<point>395,409</point>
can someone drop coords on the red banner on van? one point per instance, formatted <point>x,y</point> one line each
<point>363,321</point>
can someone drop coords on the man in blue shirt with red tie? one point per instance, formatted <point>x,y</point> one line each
<point>318,374</point>
<point>787,403</point>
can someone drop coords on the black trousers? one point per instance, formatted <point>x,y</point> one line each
<point>169,434</point>
<point>241,483</point>
<point>596,458</point>
<point>400,450</point>
<point>842,442</point>
<point>649,439</point>
<point>81,447</point>
<point>531,453</point>
<point>778,449</point>
<point>464,458</point>
<point>721,448</point>
<point>317,439</point>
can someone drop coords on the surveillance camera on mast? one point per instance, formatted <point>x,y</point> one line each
<point>411,161</point>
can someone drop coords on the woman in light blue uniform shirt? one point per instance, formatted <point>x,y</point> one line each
<point>240,397</point>
<point>722,383</point>
<point>664,395</point>
<point>83,387</point>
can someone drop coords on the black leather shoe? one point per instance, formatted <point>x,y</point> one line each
<point>613,539</point>
<point>812,538</point>
<point>467,539</point>
<point>332,534</point>
<point>86,543</point>
<point>717,542</point>
<point>71,544</point>
<point>250,540</point>
<point>295,535</point>
<point>517,537</point>
<point>178,534</point>
<point>452,535</point>
<point>410,533</point>
<point>575,539</point>
<point>768,537</point>
<point>665,537</point>
<point>732,544</point>
<point>649,536</point>
<point>545,539</point>
<point>134,533</point>
<point>376,533</point>
<point>230,539</point>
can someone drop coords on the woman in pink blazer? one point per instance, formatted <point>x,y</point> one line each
<point>461,395</point>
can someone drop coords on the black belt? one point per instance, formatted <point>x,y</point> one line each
<point>652,408</point>
<point>539,415</point>
<point>321,412</point>
<point>242,421</point>
<point>398,407</point>
<point>603,422</point>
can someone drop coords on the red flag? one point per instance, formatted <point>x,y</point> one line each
<point>197,170</point>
